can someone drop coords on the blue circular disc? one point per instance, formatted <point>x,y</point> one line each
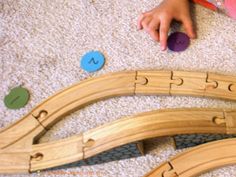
<point>92,61</point>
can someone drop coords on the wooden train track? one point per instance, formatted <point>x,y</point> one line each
<point>19,154</point>
<point>170,122</point>
<point>198,160</point>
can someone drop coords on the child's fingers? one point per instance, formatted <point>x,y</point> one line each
<point>145,23</point>
<point>188,25</point>
<point>154,30</point>
<point>140,18</point>
<point>155,35</point>
<point>164,29</point>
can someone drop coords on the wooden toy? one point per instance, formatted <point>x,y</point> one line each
<point>198,160</point>
<point>19,153</point>
<point>131,150</point>
<point>23,155</point>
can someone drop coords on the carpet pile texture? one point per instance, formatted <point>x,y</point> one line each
<point>41,43</point>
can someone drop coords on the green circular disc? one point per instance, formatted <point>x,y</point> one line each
<point>17,98</point>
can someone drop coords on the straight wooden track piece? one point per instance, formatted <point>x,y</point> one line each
<point>202,84</point>
<point>198,160</point>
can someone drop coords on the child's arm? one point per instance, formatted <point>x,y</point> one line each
<point>157,21</point>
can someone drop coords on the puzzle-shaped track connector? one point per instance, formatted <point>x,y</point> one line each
<point>185,83</point>
<point>165,170</point>
<point>17,141</point>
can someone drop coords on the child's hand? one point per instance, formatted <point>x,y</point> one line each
<point>157,21</point>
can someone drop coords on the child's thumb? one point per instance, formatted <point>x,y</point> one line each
<point>188,26</point>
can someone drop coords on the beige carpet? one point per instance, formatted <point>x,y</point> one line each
<point>41,43</point>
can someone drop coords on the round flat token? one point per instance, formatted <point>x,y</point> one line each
<point>17,98</point>
<point>178,42</point>
<point>92,61</point>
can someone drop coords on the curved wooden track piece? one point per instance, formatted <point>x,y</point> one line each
<point>198,160</point>
<point>35,157</point>
<point>16,141</point>
<point>46,114</point>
